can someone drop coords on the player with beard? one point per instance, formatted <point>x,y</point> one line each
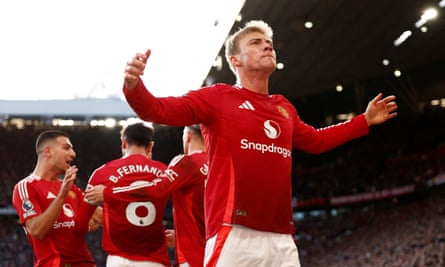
<point>133,233</point>
<point>185,180</point>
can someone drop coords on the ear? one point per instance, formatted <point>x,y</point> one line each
<point>123,144</point>
<point>188,137</point>
<point>234,61</point>
<point>149,148</point>
<point>47,151</point>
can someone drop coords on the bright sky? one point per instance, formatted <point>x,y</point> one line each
<point>53,49</point>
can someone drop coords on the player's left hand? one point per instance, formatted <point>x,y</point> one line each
<point>380,110</point>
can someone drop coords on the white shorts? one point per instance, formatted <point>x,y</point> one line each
<point>239,246</point>
<point>117,261</point>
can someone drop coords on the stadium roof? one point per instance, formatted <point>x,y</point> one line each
<point>322,44</point>
<point>113,107</point>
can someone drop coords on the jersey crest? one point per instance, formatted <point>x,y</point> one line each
<point>283,112</point>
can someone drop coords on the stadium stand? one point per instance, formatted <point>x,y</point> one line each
<point>347,209</point>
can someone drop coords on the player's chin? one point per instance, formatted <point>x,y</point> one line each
<point>65,166</point>
<point>270,63</point>
<point>271,67</point>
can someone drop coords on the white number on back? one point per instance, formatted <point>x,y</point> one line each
<point>137,220</point>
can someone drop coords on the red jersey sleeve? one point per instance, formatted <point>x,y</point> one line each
<point>25,200</point>
<point>177,174</point>
<point>315,141</point>
<point>192,108</point>
<point>86,210</point>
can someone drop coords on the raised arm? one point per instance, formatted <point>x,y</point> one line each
<point>40,225</point>
<point>316,141</point>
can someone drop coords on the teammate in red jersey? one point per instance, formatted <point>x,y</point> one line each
<point>133,233</point>
<point>47,206</point>
<point>185,179</point>
<point>249,136</point>
<point>188,199</point>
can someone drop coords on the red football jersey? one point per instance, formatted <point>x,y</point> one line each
<point>188,208</point>
<point>249,138</point>
<point>63,244</point>
<point>185,179</point>
<point>133,229</point>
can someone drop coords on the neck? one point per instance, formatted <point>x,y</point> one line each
<point>196,147</point>
<point>255,83</point>
<point>45,172</point>
<point>136,151</point>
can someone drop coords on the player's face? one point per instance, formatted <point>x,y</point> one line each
<point>63,153</point>
<point>257,52</point>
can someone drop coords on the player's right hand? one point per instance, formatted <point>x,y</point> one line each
<point>68,180</point>
<point>135,68</point>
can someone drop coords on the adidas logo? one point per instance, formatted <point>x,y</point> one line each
<point>246,105</point>
<point>50,195</point>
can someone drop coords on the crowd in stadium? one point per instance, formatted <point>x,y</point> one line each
<point>402,232</point>
<point>405,231</point>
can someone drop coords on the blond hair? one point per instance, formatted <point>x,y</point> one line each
<point>232,42</point>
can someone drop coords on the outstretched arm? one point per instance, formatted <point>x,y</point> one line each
<point>380,110</point>
<point>151,188</point>
<point>140,190</point>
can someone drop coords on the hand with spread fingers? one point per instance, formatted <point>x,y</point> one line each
<point>380,110</point>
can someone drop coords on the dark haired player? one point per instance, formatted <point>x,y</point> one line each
<point>48,206</point>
